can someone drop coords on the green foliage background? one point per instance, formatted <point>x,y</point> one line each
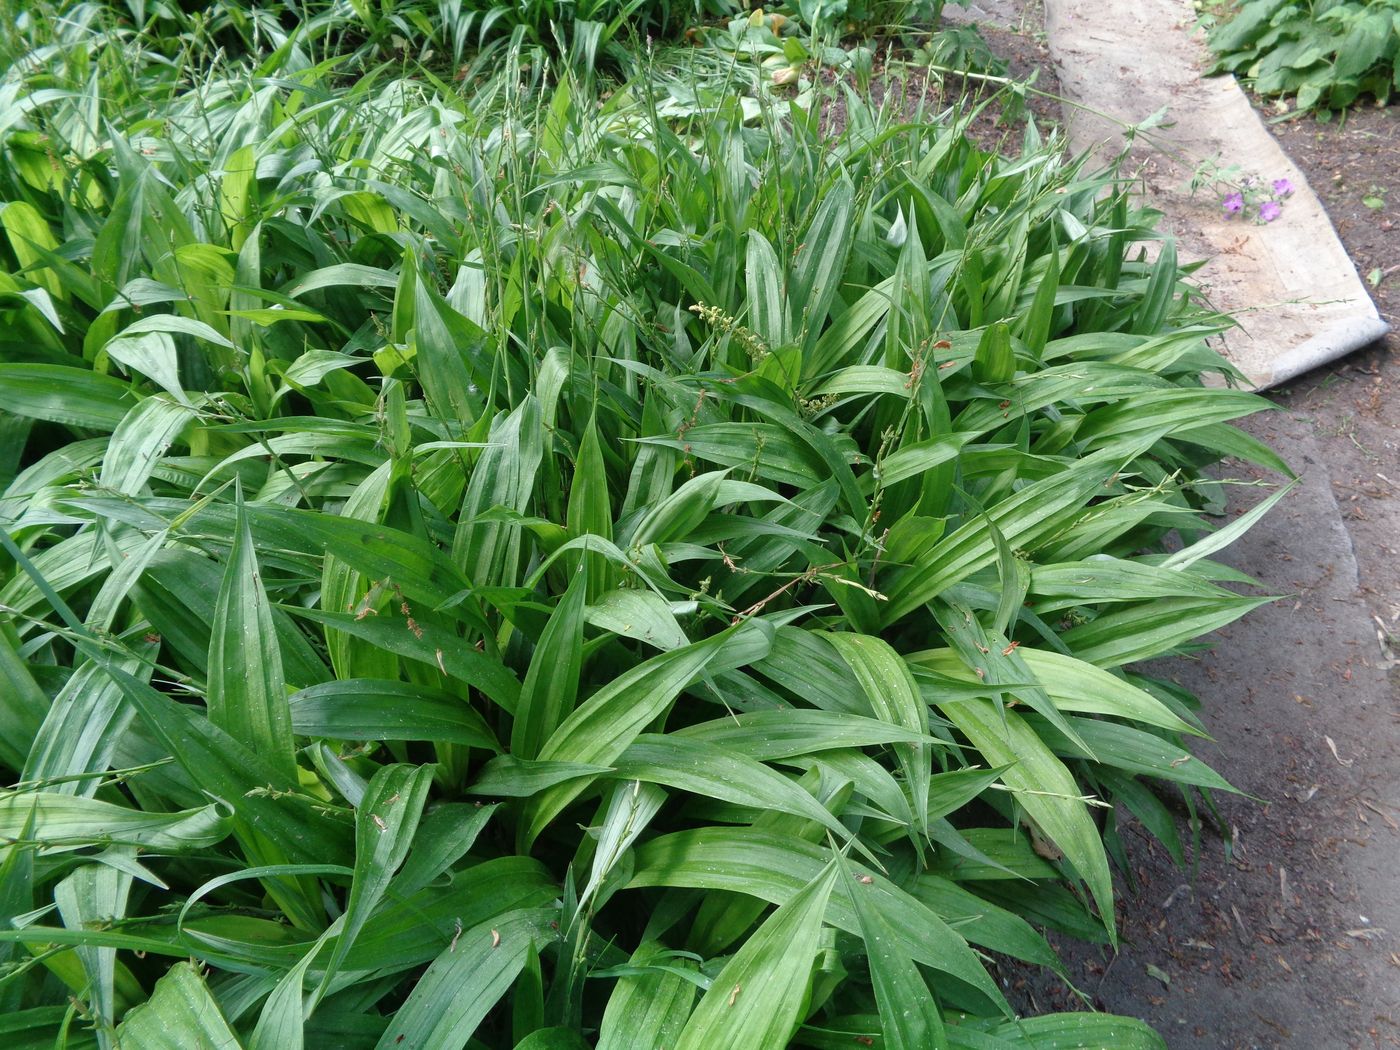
<point>1327,53</point>
<point>487,565</point>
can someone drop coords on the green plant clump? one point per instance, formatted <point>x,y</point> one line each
<point>478,568</point>
<point>1329,53</point>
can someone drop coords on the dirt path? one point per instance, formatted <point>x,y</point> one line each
<point>1284,931</point>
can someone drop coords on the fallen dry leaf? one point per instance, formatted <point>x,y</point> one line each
<point>1332,746</point>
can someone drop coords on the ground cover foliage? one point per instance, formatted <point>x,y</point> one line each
<point>1329,54</point>
<point>485,564</point>
<point>436,31</point>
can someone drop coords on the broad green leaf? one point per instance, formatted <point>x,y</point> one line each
<point>1108,579</point>
<point>1035,330</point>
<point>238,192</point>
<point>816,277</point>
<point>982,922</point>
<point>893,697</point>
<point>444,836</point>
<point>633,613</point>
<point>60,822</point>
<point>589,510</point>
<point>908,1013</point>
<point>993,362</point>
<point>142,438</point>
<point>509,777</point>
<point>254,787</point>
<point>91,895</point>
<point>386,821</point>
<point>1140,632</point>
<point>771,973</point>
<point>995,660</point>
<point>74,397</point>
<point>651,1004</point>
<point>550,689</point>
<point>343,589</point>
<point>341,275</point>
<point>767,299</point>
<point>1137,751</point>
<point>1079,1031</point>
<point>788,732</point>
<point>1073,685</point>
<point>675,516</point>
<point>81,730</point>
<point>180,1015</point>
<point>1022,519</point>
<point>465,982</point>
<point>422,571</point>
<point>413,931</point>
<point>625,813</point>
<point>1223,537</point>
<point>1042,786</point>
<point>776,867</point>
<point>910,461</point>
<point>23,705</point>
<point>31,239</point>
<point>430,645</point>
<point>153,355</point>
<point>1156,304</point>
<point>247,694</point>
<point>603,727</point>
<point>487,549</point>
<point>708,771</point>
<point>556,1038</point>
<point>366,709</point>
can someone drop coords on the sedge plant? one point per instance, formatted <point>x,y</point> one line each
<point>485,566</point>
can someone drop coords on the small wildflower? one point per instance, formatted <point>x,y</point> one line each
<point>1269,211</point>
<point>1282,188</point>
<point>1234,204</point>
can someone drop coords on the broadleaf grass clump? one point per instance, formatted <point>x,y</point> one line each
<point>493,569</point>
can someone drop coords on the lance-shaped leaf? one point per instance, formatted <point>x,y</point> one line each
<point>893,697</point>
<point>608,721</point>
<point>651,1001</point>
<point>909,1016</point>
<point>465,982</point>
<point>551,684</point>
<point>1042,786</point>
<point>180,1015</point>
<point>61,822</point>
<point>755,1002</point>
<point>247,695</point>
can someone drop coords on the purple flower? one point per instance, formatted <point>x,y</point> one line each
<point>1282,187</point>
<point>1233,204</point>
<point>1270,210</point>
